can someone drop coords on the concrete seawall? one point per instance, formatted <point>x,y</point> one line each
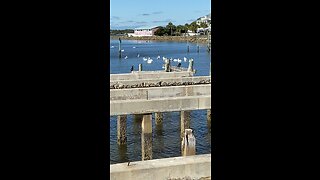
<point>195,167</point>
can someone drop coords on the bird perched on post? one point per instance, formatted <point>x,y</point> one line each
<point>131,68</point>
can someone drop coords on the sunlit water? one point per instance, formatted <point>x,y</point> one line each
<point>166,138</point>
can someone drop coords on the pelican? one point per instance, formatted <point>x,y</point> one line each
<point>175,60</point>
<point>126,57</point>
<point>158,57</point>
<point>149,61</point>
<point>185,59</point>
<point>179,60</point>
<point>122,50</point>
<point>144,58</point>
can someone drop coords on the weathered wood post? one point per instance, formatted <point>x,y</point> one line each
<point>158,118</point>
<point>140,67</point>
<point>188,144</point>
<point>185,121</point>
<point>190,68</point>
<point>122,129</point>
<point>209,118</point>
<point>188,49</point>
<point>146,137</point>
<point>119,48</point>
<point>167,65</point>
<point>197,44</point>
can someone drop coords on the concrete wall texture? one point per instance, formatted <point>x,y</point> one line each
<point>160,169</point>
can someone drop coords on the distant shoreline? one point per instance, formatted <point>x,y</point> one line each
<point>191,39</point>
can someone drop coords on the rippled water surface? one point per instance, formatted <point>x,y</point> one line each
<point>166,137</point>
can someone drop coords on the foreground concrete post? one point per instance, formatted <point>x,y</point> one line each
<point>190,68</point>
<point>185,121</point>
<point>158,117</point>
<point>146,137</point>
<point>188,144</point>
<point>140,67</point>
<point>122,129</point>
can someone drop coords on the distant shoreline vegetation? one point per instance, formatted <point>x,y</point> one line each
<point>168,30</point>
<point>192,39</point>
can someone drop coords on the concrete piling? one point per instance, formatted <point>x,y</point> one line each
<point>122,129</point>
<point>188,144</point>
<point>158,118</point>
<point>185,121</point>
<point>146,137</point>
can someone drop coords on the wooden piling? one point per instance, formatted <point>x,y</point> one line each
<point>122,129</point>
<point>190,68</point>
<point>140,67</point>
<point>119,48</point>
<point>158,118</point>
<point>188,144</point>
<point>209,118</point>
<point>185,121</point>
<point>146,137</point>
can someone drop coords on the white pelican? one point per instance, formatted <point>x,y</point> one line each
<point>185,59</point>
<point>149,61</point>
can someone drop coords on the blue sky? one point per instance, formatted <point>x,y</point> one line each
<point>147,13</point>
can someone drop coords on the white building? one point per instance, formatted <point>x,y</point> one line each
<point>143,31</point>
<point>205,19</point>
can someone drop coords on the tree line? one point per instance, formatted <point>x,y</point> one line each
<point>172,30</point>
<point>120,32</point>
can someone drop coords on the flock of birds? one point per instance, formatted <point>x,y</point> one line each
<point>149,60</point>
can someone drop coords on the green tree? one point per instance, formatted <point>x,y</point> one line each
<point>171,28</point>
<point>203,25</point>
<point>179,29</point>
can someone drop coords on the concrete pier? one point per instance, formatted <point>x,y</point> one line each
<point>195,167</point>
<point>188,144</point>
<point>170,104</point>
<point>122,129</point>
<point>161,82</point>
<point>146,137</point>
<point>158,118</point>
<point>185,121</point>
<point>135,75</point>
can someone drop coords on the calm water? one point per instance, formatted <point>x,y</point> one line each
<point>166,138</point>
